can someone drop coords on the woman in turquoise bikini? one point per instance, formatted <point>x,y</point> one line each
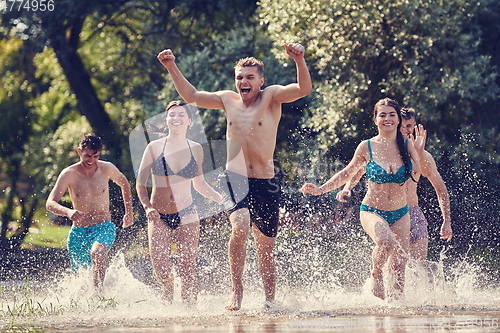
<point>389,160</point>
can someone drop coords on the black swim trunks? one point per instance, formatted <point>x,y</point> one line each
<point>260,196</point>
<point>174,220</point>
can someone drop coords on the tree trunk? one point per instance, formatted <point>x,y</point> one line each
<point>9,204</point>
<point>79,80</point>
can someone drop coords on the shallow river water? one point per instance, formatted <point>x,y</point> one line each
<point>323,286</point>
<point>129,305</point>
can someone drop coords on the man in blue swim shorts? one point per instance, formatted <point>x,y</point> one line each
<point>92,233</point>
<point>82,239</point>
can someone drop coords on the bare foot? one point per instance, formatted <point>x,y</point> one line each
<point>271,306</point>
<point>98,293</point>
<point>378,286</point>
<point>235,301</point>
<point>396,293</point>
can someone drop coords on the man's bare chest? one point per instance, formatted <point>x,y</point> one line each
<point>250,122</point>
<point>90,187</point>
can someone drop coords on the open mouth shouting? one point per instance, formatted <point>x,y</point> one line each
<point>245,91</point>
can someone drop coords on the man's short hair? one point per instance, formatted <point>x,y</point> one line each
<point>92,142</point>
<point>251,62</point>
<point>407,113</point>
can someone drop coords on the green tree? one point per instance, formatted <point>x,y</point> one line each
<point>426,54</point>
<point>114,43</point>
<point>105,70</point>
<point>15,130</point>
<point>422,53</point>
<point>30,113</point>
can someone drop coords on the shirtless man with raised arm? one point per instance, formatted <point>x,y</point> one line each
<point>419,235</point>
<point>252,117</point>
<point>92,232</point>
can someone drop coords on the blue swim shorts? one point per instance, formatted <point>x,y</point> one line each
<point>81,240</point>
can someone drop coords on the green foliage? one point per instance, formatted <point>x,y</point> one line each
<point>15,131</point>
<point>115,43</point>
<point>423,53</point>
<point>16,90</point>
<point>435,56</point>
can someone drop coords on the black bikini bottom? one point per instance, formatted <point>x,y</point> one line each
<point>174,220</point>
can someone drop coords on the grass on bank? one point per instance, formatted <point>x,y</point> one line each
<point>48,236</point>
<point>44,233</point>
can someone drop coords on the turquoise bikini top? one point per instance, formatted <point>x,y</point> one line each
<point>379,175</point>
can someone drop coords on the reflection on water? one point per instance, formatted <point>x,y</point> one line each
<point>322,287</point>
<point>468,323</point>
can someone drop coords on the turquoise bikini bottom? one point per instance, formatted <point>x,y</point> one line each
<point>391,216</point>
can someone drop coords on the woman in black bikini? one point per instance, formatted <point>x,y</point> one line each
<point>174,163</point>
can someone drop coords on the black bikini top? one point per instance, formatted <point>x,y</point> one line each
<point>161,167</point>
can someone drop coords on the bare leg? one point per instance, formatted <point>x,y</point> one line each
<point>397,264</point>
<point>267,266</point>
<point>187,238</point>
<point>418,252</point>
<point>399,256</point>
<point>419,249</point>
<point>384,239</point>
<point>379,257</point>
<point>160,240</point>
<point>99,255</point>
<point>240,222</point>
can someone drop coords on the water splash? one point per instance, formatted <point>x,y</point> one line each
<point>319,275</point>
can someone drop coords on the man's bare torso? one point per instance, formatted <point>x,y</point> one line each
<point>411,186</point>
<point>254,129</point>
<point>90,194</point>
